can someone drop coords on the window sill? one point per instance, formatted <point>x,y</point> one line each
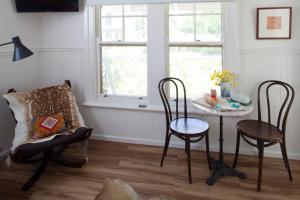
<point>123,106</point>
<point>134,107</point>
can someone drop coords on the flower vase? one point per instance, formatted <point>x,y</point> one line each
<point>226,89</point>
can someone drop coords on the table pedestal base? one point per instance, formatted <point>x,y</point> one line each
<point>222,169</point>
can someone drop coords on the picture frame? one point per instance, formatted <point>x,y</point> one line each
<point>274,23</point>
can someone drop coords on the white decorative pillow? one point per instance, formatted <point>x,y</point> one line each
<point>117,190</point>
<point>42,102</point>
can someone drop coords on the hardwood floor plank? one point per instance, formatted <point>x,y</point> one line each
<point>139,166</point>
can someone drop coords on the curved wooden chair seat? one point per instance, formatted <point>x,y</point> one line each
<point>265,133</point>
<point>189,129</point>
<point>190,126</point>
<point>258,130</point>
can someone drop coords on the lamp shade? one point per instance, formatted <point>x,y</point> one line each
<point>20,51</point>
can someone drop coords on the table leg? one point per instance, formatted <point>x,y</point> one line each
<point>221,140</point>
<point>219,167</point>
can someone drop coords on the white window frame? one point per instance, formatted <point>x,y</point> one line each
<point>157,59</point>
<point>195,43</point>
<point>116,97</point>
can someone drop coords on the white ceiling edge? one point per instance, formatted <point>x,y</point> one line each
<point>118,2</point>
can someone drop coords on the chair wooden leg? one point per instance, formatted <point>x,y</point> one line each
<point>207,151</point>
<point>238,138</point>
<point>283,155</point>
<point>285,159</point>
<point>261,157</point>
<point>39,171</point>
<point>188,142</point>
<point>168,137</point>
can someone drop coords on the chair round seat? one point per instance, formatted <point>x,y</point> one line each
<point>260,130</point>
<point>189,126</point>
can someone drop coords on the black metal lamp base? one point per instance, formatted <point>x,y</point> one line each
<point>222,169</point>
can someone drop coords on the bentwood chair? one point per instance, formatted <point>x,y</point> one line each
<point>189,129</point>
<point>265,133</point>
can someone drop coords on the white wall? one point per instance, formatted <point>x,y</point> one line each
<point>272,59</point>
<point>62,57</point>
<point>62,49</point>
<point>23,74</point>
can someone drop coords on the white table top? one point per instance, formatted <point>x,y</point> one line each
<point>212,111</point>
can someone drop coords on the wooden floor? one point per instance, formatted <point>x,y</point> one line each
<point>139,166</point>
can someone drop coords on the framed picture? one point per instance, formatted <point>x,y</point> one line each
<point>274,23</point>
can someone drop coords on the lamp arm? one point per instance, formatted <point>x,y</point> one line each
<point>5,44</point>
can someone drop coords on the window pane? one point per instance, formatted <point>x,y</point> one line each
<point>208,28</point>
<point>111,11</point>
<point>135,10</point>
<point>181,8</point>
<point>135,29</point>
<point>181,28</point>
<point>124,71</point>
<point>208,8</point>
<point>194,65</point>
<point>112,29</point>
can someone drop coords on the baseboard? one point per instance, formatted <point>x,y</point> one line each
<point>213,148</point>
<point>180,145</point>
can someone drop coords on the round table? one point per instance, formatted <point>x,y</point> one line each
<point>220,168</point>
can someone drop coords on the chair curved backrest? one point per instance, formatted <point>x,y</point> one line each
<point>286,104</point>
<point>165,99</point>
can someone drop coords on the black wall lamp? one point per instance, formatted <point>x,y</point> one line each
<point>20,51</point>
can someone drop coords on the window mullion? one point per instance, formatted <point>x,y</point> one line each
<point>196,44</point>
<point>118,16</point>
<point>195,25</point>
<point>123,43</point>
<point>99,68</point>
<point>157,53</point>
<point>123,24</point>
<point>99,51</point>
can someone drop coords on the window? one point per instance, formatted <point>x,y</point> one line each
<point>133,47</point>
<point>195,44</point>
<point>123,50</point>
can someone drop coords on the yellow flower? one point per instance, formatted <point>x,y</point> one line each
<point>223,76</point>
